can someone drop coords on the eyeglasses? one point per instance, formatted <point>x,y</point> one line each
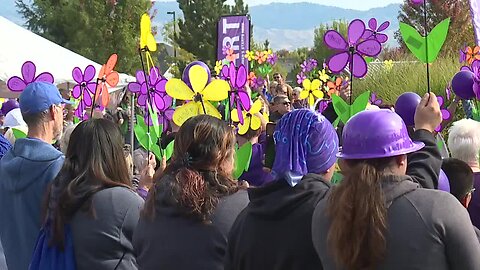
<point>276,78</point>
<point>287,103</point>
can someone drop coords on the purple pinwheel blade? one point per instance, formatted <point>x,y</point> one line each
<point>244,100</point>
<point>241,77</point>
<point>77,75</point>
<point>232,73</point>
<point>224,72</point>
<point>142,100</point>
<point>359,66</point>
<point>446,114</point>
<point>372,23</point>
<point>168,101</point>
<point>87,99</point>
<point>16,84</point>
<point>134,87</point>
<point>159,102</point>
<point>338,62</point>
<point>89,73</point>
<point>28,71</point>
<point>382,38</point>
<point>91,86</point>
<point>355,31</point>
<point>45,77</point>
<point>160,86</point>
<point>169,114</point>
<point>383,26</point>
<point>154,75</point>
<point>475,66</point>
<point>143,89</point>
<point>240,112</point>
<point>369,47</point>
<point>76,91</point>
<point>233,97</point>
<point>368,34</point>
<point>140,76</point>
<point>335,40</point>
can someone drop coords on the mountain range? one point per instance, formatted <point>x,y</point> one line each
<point>286,26</point>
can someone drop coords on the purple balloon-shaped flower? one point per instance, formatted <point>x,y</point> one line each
<point>17,84</point>
<point>351,52</point>
<point>375,31</point>
<point>85,88</point>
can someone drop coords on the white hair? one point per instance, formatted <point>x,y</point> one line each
<point>464,140</point>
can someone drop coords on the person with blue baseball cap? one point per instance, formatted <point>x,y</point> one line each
<point>27,169</point>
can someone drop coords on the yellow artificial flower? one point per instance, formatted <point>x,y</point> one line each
<point>324,77</point>
<point>251,119</point>
<point>250,55</point>
<point>388,64</point>
<point>311,90</point>
<point>199,95</point>
<point>218,67</point>
<point>268,52</point>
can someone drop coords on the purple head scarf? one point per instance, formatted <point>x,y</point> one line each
<point>305,142</point>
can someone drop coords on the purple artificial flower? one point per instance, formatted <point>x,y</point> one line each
<point>463,55</point>
<point>156,85</point>
<point>374,100</point>
<point>257,82</point>
<point>17,84</point>
<point>308,65</point>
<point>323,105</point>
<point>301,77</point>
<point>446,115</point>
<point>226,48</point>
<point>85,88</point>
<point>272,59</point>
<point>374,32</point>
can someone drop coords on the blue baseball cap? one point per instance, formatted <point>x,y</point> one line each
<point>39,96</point>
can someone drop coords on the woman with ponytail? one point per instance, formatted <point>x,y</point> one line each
<point>378,217</point>
<point>92,196</point>
<point>193,204</point>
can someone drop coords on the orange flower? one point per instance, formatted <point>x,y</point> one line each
<point>251,77</point>
<point>261,57</point>
<point>231,56</point>
<point>473,54</point>
<point>106,76</point>
<point>334,87</point>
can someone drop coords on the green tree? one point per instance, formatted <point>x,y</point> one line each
<point>198,28</point>
<point>461,28</point>
<point>92,28</point>
<point>320,51</point>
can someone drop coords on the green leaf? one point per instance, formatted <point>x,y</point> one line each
<point>416,43</point>
<point>264,70</point>
<point>157,132</point>
<point>243,156</point>
<point>346,111</point>
<point>147,141</point>
<point>169,150</point>
<point>18,134</point>
<point>368,59</point>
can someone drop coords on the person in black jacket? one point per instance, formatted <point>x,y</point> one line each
<point>274,231</point>
<point>193,204</point>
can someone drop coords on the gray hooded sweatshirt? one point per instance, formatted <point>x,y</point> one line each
<point>426,229</point>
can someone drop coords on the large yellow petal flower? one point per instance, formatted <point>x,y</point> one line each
<point>318,93</point>
<point>178,89</point>
<point>256,107</point>
<point>304,94</point>
<point>198,77</point>
<point>307,84</point>
<point>243,128</point>
<point>234,116</point>
<point>211,110</point>
<point>315,85</point>
<point>146,37</point>
<point>216,90</point>
<point>255,122</point>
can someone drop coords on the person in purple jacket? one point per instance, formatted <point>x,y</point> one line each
<point>464,144</point>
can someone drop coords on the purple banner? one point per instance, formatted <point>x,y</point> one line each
<point>234,32</point>
<point>475,11</point>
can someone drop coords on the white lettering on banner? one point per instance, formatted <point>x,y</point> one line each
<point>229,40</point>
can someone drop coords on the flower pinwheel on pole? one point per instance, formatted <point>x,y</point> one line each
<point>198,96</point>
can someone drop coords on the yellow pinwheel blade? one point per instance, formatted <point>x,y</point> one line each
<point>318,94</point>
<point>316,84</point>
<point>178,89</point>
<point>185,112</point>
<point>256,107</point>
<point>242,129</point>
<point>145,29</point>
<point>311,100</point>
<point>307,84</point>
<point>255,123</point>
<point>151,43</point>
<point>235,116</point>
<point>304,94</point>
<point>216,90</point>
<point>211,110</point>
<point>198,78</point>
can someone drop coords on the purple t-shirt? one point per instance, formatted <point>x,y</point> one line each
<point>474,207</point>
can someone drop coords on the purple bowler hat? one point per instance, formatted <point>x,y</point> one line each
<point>376,134</point>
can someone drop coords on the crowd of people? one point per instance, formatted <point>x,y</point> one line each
<point>79,187</point>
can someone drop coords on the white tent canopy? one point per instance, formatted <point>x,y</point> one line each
<point>19,45</point>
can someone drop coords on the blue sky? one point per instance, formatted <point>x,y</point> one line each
<point>352,4</point>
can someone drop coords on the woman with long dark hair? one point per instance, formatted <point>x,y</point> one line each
<point>92,194</point>
<point>193,204</point>
<point>378,217</point>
